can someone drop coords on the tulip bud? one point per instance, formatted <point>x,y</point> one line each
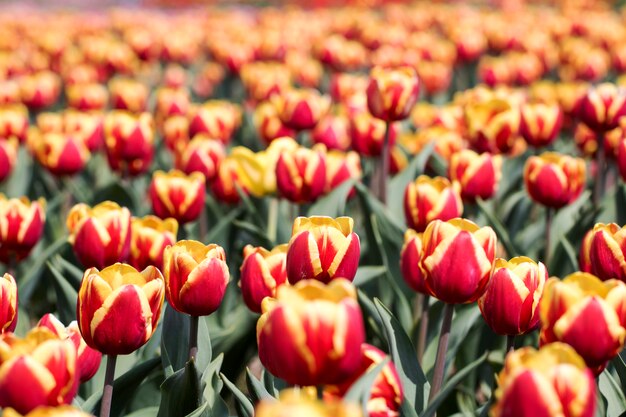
<point>87,97</point>
<point>301,109</point>
<point>301,175</point>
<point>8,157</point>
<point>492,125</point>
<point>311,333</point>
<point>202,155</point>
<point>255,170</point>
<point>268,124</point>
<point>13,121</point>
<point>333,131</point>
<point>478,174</point>
<point>392,93</point>
<point>262,272</point>
<point>510,304</point>
<point>8,303</point>
<point>344,86</point>
<point>621,158</point>
<point>603,252</point>
<point>224,186</point>
<point>129,141</point>
<point>196,277</point>
<point>21,226</point>
<point>427,199</point>
<point>59,411</point>
<point>87,359</point>
<point>88,127</point>
<point>368,134</point>
<point>457,260</point>
<point>100,235</point>
<point>587,314</point>
<point>35,371</point>
<point>549,382</point>
<point>340,167</point>
<point>149,238</point>
<point>410,259</point>
<point>553,179</point>
<point>217,119</point>
<point>303,402</point>
<point>174,194</point>
<point>40,89</point>
<point>61,154</point>
<point>540,123</point>
<point>128,94</point>
<point>386,392</point>
<point>119,294</point>
<point>603,106</point>
<point>323,249</point>
<point>436,76</point>
<point>171,102</point>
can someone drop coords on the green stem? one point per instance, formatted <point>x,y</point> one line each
<point>107,392</point>
<point>549,217</point>
<point>510,343</point>
<point>423,329</point>
<point>384,167</point>
<point>442,349</point>
<point>193,337</point>
<point>272,219</point>
<point>599,184</point>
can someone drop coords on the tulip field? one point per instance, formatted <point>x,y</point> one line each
<point>313,209</point>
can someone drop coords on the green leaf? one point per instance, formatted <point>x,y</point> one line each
<point>175,346</point>
<point>124,388</point>
<point>256,388</point>
<point>144,412</point>
<point>403,354</point>
<point>215,405</point>
<point>67,296</point>
<point>503,235</point>
<point>242,402</point>
<point>360,390</point>
<point>222,225</point>
<point>451,384</point>
<point>28,282</point>
<point>181,392</point>
<point>117,192</point>
<point>620,368</point>
<point>610,389</point>
<point>333,204</point>
<point>367,273</point>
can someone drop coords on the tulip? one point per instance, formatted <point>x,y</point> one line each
<point>478,174</point>
<point>621,158</point>
<point>457,260</point>
<point>40,89</point>
<point>603,251</point>
<point>303,402</point>
<point>343,86</point>
<point>38,370</point>
<point>60,411</point>
<point>323,249</point>
<point>552,381</point>
<point>368,134</point>
<point>492,125</point>
<point>603,106</point>
<point>587,314</point>
<point>311,333</point>
<point>87,127</point>
<point>129,141</point>
<point>61,154</point>
<point>217,119</point>
<point>341,54</point>
<point>100,235</point>
<point>262,272</point>
<point>177,195</point>
<point>554,180</point>
<point>149,237</point>
<point>171,102</point>
<point>86,97</point>
<point>333,131</point>
<point>427,199</point>
<point>211,74</point>
<point>301,175</point>
<point>410,258</point>
<point>13,121</point>
<point>87,359</point>
<point>224,186</point>
<point>201,155</point>
<point>340,167</point>
<point>587,141</point>
<point>119,294</point>
<point>262,80</point>
<point>255,170</point>
<point>128,94</point>
<point>540,123</point>
<point>8,303</point>
<point>8,157</point>
<point>386,391</point>
<point>510,304</point>
<point>268,124</point>
<point>21,226</point>
<point>301,109</point>
<point>196,277</point>
<point>392,93</point>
